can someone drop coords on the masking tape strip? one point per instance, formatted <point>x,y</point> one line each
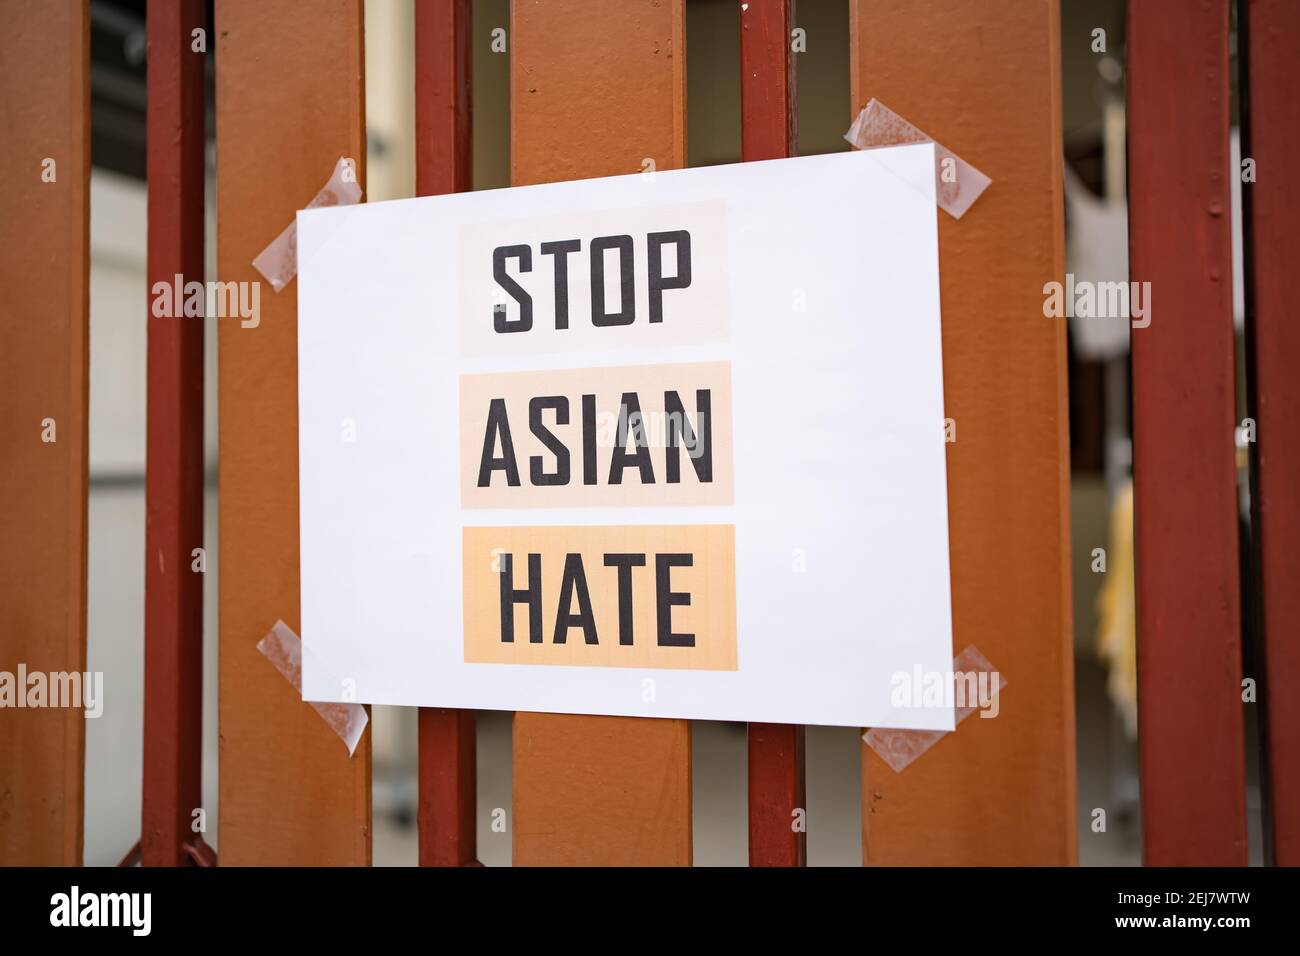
<point>899,748</point>
<point>957,183</point>
<point>284,649</point>
<point>278,262</point>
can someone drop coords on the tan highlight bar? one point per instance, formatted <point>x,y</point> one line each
<point>602,596</point>
<point>601,437</point>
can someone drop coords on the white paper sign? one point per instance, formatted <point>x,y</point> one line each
<point>661,445</point>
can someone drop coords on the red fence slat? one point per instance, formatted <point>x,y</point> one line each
<point>1190,727</point>
<point>1273,210</point>
<point>767,131</point>
<point>443,165</point>
<point>173,627</point>
<point>767,80</point>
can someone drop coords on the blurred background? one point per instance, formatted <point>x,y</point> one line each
<point>1093,96</point>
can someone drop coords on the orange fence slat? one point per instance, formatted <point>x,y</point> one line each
<point>289,105</point>
<point>1001,790</point>
<point>44,272</point>
<point>597,89</point>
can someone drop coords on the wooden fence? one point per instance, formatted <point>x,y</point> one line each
<point>596,88</point>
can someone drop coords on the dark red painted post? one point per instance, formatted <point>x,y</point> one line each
<point>767,80</point>
<point>1190,726</point>
<point>1272,117</point>
<point>442,165</point>
<point>173,625</point>
<point>777,810</point>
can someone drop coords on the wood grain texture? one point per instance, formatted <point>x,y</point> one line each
<point>44,272</point>
<point>173,624</point>
<point>1190,722</point>
<point>290,102</point>
<point>984,80</point>
<point>596,89</point>
<point>601,791</point>
<point>1273,227</point>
